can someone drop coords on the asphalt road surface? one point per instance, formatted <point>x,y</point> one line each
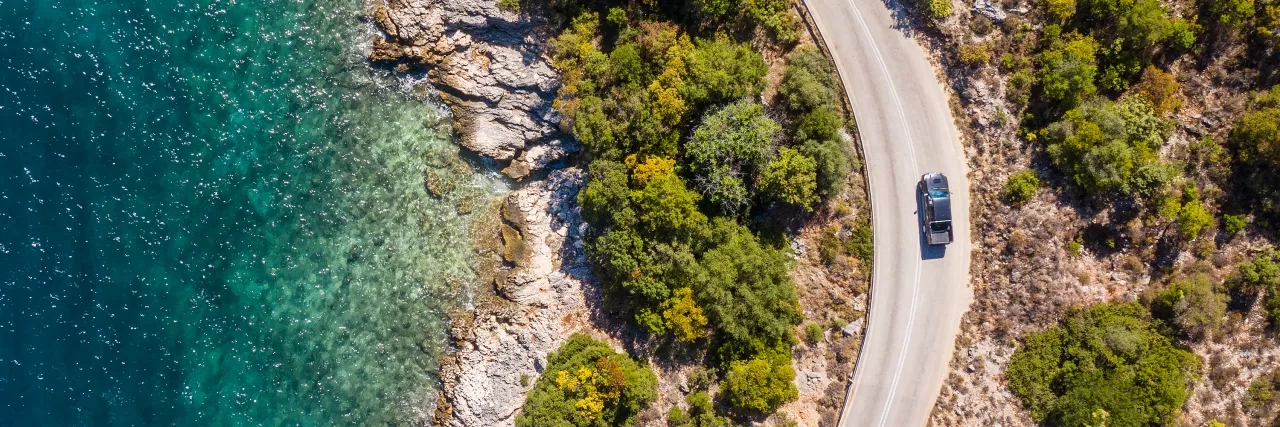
<point>918,292</point>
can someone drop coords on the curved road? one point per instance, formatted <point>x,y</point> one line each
<point>918,292</point>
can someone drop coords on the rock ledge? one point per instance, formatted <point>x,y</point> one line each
<point>489,66</point>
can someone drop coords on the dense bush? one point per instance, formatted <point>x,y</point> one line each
<point>1160,90</point>
<point>728,149</point>
<point>1256,140</point>
<point>760,385</point>
<point>1107,358</point>
<point>1191,305</point>
<point>1233,224</point>
<point>1067,69</point>
<point>1101,144</point>
<point>674,130</point>
<point>1134,31</point>
<point>809,81</point>
<point>772,15</point>
<point>1020,187</point>
<point>1261,275</point>
<point>701,413</point>
<point>811,90</point>
<point>746,292</point>
<point>1192,216</point>
<point>586,383</point>
<point>792,179</point>
<point>1059,10</point>
<point>857,243</point>
<point>637,98</point>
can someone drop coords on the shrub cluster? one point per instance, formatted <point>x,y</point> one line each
<point>585,384</point>
<point>812,92</point>
<point>1256,140</point>
<point>1110,147</point>
<point>1191,306</point>
<point>1020,187</point>
<point>681,153</point>
<point>1108,361</point>
<point>1260,276</point>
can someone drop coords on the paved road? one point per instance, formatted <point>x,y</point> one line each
<point>918,293</point>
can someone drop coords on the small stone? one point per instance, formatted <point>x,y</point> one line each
<point>853,328</point>
<point>436,186</point>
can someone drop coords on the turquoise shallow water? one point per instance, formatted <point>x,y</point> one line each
<point>213,213</point>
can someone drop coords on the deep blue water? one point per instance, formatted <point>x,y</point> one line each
<point>212,213</point>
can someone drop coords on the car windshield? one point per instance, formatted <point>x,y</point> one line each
<point>935,193</point>
<point>940,226</point>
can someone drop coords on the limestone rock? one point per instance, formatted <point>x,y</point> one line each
<point>499,343</point>
<point>489,66</point>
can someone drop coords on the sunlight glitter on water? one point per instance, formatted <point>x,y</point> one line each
<point>214,213</point>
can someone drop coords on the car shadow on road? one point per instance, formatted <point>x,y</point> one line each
<point>927,251</point>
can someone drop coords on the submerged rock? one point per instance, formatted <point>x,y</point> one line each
<point>489,66</point>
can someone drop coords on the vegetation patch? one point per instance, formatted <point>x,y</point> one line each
<point>1106,365</point>
<point>586,383</point>
<point>685,160</point>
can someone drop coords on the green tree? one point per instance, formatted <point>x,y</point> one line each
<point>1235,14</point>
<point>683,316</point>
<point>809,81</point>
<point>1020,187</point>
<point>1067,69</point>
<point>747,294</point>
<point>760,385</point>
<point>1234,224</point>
<point>1100,144</point>
<point>586,383</point>
<point>791,178</point>
<point>715,11</point>
<point>1191,305</point>
<point>607,194</point>
<point>833,164</point>
<point>1109,357</point>
<point>720,70</point>
<point>1256,141</point>
<point>1059,10</point>
<point>666,206</point>
<point>728,147</point>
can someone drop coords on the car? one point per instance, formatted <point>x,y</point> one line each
<point>936,200</point>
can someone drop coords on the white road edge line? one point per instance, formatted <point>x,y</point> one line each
<point>915,288</point>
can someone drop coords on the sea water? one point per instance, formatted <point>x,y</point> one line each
<point>213,213</point>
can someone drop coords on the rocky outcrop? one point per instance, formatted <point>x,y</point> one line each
<point>502,345</point>
<point>488,64</point>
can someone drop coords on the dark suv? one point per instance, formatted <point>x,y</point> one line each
<point>937,208</point>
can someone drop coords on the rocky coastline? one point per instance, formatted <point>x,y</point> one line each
<point>501,345</point>
<point>488,65</point>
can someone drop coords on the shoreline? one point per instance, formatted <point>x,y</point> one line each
<point>488,66</point>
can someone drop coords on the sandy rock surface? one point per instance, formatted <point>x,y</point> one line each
<point>488,64</point>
